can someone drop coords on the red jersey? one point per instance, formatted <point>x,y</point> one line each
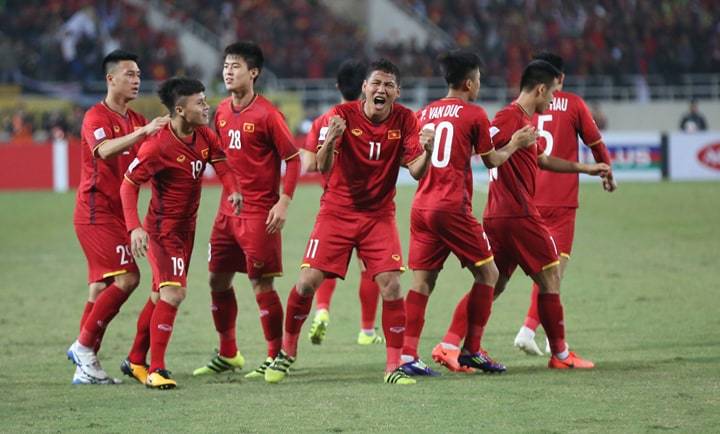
<point>98,195</point>
<point>368,158</point>
<point>256,140</point>
<point>461,130</point>
<point>559,127</point>
<point>512,184</point>
<point>176,167</point>
<point>313,137</point>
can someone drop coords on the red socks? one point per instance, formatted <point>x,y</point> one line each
<point>106,307</point>
<point>298,308</point>
<point>224,312</point>
<point>532,320</point>
<point>479,307</point>
<point>393,322</point>
<point>415,304</point>
<point>271,319</point>
<point>369,293</point>
<point>161,326</point>
<point>458,325</point>
<point>324,294</point>
<point>88,308</point>
<point>141,345</point>
<point>551,317</point>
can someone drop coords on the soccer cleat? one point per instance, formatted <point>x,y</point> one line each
<point>86,360</point>
<point>398,376</point>
<point>418,368</point>
<point>219,364</point>
<point>572,362</point>
<point>278,369</point>
<point>81,378</point>
<point>138,372</point>
<point>481,361</point>
<point>319,327</point>
<point>547,346</point>
<point>259,372</point>
<point>449,358</point>
<point>525,341</point>
<point>160,379</point>
<point>365,339</point>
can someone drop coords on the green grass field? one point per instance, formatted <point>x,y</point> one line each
<point>640,296</point>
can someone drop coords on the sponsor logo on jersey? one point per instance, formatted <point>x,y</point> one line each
<point>396,257</point>
<point>249,127</point>
<point>394,134</point>
<point>205,152</point>
<point>356,132</point>
<point>222,123</point>
<point>709,156</point>
<point>116,128</point>
<point>99,134</point>
<point>180,158</point>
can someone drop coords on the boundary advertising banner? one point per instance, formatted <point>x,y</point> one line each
<point>694,156</point>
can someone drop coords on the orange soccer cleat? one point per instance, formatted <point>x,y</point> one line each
<point>449,358</point>
<point>572,362</point>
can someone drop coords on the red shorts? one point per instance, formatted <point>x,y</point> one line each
<point>169,258</point>
<point>560,222</point>
<point>523,241</point>
<point>336,234</point>
<point>107,250</point>
<point>434,234</point>
<point>240,244</point>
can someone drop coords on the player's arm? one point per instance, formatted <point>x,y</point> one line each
<point>308,157</point>
<point>326,151</point>
<point>590,134</point>
<point>229,183</point>
<point>110,148</point>
<point>554,164</point>
<point>283,141</point>
<point>521,138</point>
<point>145,165</point>
<point>418,166</point>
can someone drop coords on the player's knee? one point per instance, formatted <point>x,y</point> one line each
<point>219,282</point>
<point>127,282</point>
<point>487,274</point>
<point>309,281</point>
<point>173,295</point>
<point>94,290</point>
<point>389,286</point>
<point>262,285</point>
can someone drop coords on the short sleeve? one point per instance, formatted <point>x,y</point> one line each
<point>484,143</point>
<point>216,148</point>
<point>96,129</point>
<point>411,140</point>
<point>147,163</point>
<point>587,128</point>
<point>280,136</point>
<point>313,137</point>
<point>501,129</point>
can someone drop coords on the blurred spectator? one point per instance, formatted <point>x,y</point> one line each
<point>693,121</point>
<point>599,116</point>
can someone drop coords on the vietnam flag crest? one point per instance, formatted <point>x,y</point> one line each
<point>394,134</point>
<point>249,127</point>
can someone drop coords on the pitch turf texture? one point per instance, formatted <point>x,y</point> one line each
<point>640,300</point>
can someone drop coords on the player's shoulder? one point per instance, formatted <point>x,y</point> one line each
<point>97,112</point>
<point>224,106</point>
<point>508,113</point>
<point>206,133</point>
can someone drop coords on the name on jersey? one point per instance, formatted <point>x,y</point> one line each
<point>559,104</point>
<point>444,111</point>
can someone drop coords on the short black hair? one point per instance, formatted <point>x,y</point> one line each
<point>384,65</point>
<point>552,59</point>
<point>457,65</point>
<point>350,78</point>
<point>116,56</point>
<point>249,51</point>
<point>538,72</point>
<point>173,89</point>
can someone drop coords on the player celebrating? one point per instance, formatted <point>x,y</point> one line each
<point>362,149</point>
<point>174,160</point>
<point>556,194</point>
<point>441,220</point>
<point>350,77</point>
<point>111,133</point>
<point>256,140</point>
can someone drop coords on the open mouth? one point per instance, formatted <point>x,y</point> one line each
<point>379,101</point>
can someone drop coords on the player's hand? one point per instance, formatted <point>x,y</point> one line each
<point>608,182</point>
<point>427,138</point>
<point>138,242</point>
<point>236,200</point>
<point>525,136</point>
<point>277,215</point>
<point>156,124</point>
<point>597,169</point>
<point>336,127</point>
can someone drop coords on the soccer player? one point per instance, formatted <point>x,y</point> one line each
<point>441,220</point>
<point>362,149</point>
<point>350,77</point>
<point>556,194</point>
<point>256,140</point>
<point>174,161</point>
<point>111,134</point>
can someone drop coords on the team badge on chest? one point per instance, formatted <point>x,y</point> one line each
<point>204,153</point>
<point>222,123</point>
<point>180,158</point>
<point>394,134</point>
<point>248,127</point>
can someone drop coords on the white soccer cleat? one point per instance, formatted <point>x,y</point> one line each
<point>88,365</point>
<point>547,346</point>
<point>525,341</point>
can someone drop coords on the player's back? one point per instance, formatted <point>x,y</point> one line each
<point>558,128</point>
<point>98,194</point>
<point>512,184</point>
<point>461,130</point>
<point>255,140</point>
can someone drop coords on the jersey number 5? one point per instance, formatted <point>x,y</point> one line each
<point>544,133</point>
